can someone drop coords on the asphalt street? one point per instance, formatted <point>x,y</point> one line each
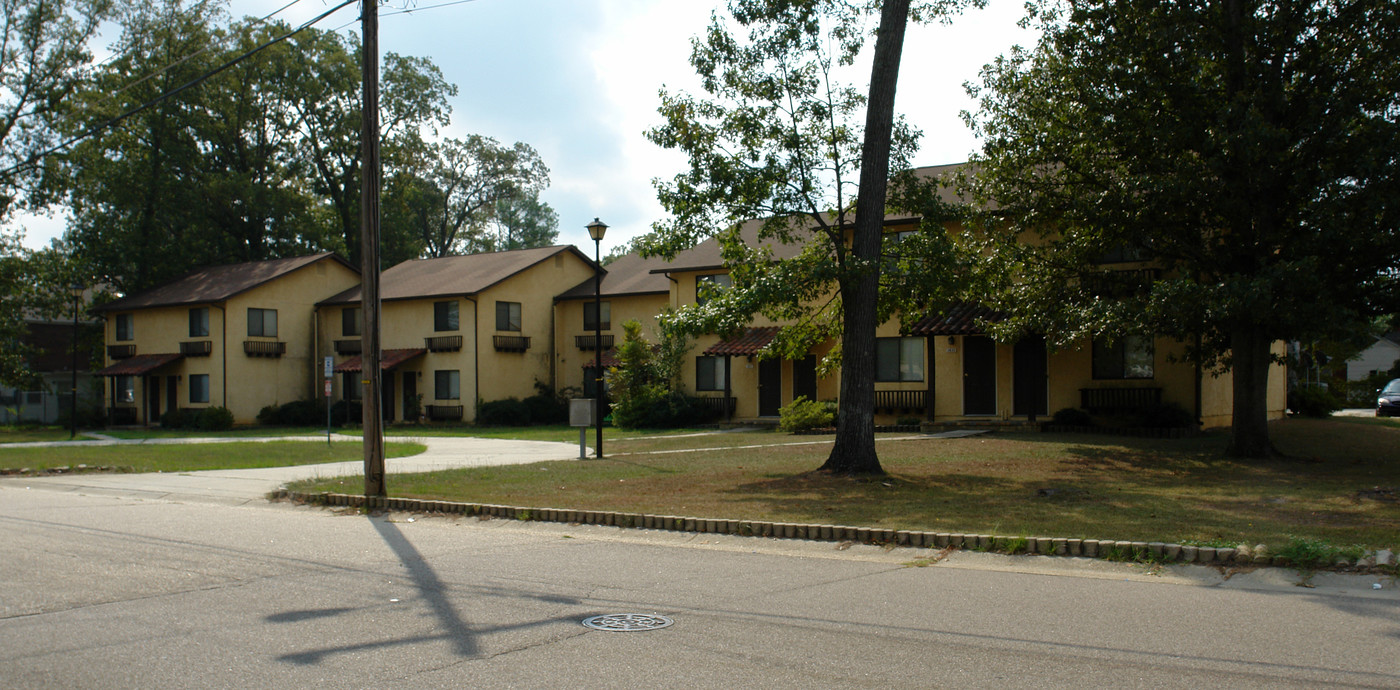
<point>101,591</point>
<point>183,580</point>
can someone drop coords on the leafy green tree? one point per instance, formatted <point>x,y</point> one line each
<point>1246,147</point>
<point>644,385</point>
<point>778,138</point>
<point>522,222</point>
<point>464,182</point>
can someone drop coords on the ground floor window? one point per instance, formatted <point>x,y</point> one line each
<point>350,385</point>
<point>899,359</point>
<point>1130,357</point>
<point>447,385</point>
<point>709,373</point>
<point>126,389</point>
<point>199,388</point>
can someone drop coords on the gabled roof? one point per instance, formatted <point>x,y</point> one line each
<point>218,283</point>
<point>707,256</point>
<point>455,275</point>
<point>627,275</point>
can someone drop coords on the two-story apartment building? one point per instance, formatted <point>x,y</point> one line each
<point>239,336</point>
<point>629,291</point>
<point>456,330</point>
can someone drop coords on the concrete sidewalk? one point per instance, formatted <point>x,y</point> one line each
<point>244,486</point>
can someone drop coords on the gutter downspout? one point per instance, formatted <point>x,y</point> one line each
<point>476,355</point>
<point>223,349</point>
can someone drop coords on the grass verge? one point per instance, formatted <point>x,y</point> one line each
<point>188,458</point>
<point>1339,485</point>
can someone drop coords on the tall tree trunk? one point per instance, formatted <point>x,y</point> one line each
<point>1250,357</point>
<point>854,452</point>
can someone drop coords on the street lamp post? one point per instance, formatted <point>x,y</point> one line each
<point>596,230</point>
<point>77,291</point>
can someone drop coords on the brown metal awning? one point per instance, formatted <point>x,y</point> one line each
<point>388,359</point>
<point>963,318</point>
<point>748,344</point>
<point>137,365</point>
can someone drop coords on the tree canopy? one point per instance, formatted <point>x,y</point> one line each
<point>779,141</point>
<point>1245,148</point>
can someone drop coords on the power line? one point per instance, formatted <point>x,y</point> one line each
<point>32,160</point>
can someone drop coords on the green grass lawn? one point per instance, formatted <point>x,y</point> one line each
<point>242,431</point>
<point>204,456</point>
<point>560,433</point>
<point>32,434</point>
<point>1340,484</point>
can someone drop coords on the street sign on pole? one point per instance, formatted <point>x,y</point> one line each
<point>329,366</point>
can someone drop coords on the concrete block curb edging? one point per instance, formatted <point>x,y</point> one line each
<point>1148,552</point>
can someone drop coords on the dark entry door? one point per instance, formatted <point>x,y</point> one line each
<point>410,395</point>
<point>386,397</point>
<point>172,393</point>
<point>1029,395</point>
<point>979,375</point>
<point>152,399</point>
<point>770,387</point>
<point>804,377</point>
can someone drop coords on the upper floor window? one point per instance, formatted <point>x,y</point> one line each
<point>508,316</point>
<point>591,322</point>
<point>350,321</point>
<point>199,322</point>
<point>709,373</point>
<point>445,316</point>
<point>899,359</point>
<point>1128,358</point>
<point>262,322</point>
<point>126,329</point>
<point>710,285</point>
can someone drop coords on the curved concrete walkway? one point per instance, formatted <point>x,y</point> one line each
<point>245,486</point>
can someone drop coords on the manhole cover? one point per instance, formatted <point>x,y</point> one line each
<point>628,622</point>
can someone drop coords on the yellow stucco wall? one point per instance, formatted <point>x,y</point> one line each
<point>569,359</point>
<point>253,382</point>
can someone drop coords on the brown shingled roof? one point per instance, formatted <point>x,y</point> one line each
<point>963,318</point>
<point>627,275</point>
<point>454,275</point>
<point>217,283</point>
<point>747,344</point>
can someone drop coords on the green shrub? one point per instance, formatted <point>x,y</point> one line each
<point>1167,416</point>
<point>215,419</point>
<point>908,421</point>
<point>546,409</point>
<point>1071,416</point>
<point>802,414</point>
<point>178,419</point>
<point>295,413</point>
<point>344,412</point>
<point>508,412</point>
<point>1313,401</point>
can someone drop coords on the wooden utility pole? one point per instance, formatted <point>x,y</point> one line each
<point>369,256</point>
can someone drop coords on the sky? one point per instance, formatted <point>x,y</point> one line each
<point>579,79</point>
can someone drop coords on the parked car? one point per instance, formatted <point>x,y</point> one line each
<point>1388,400</point>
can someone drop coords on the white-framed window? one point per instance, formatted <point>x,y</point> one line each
<point>710,285</point>
<point>590,316</point>
<point>445,316</point>
<point>199,388</point>
<point>709,373</point>
<point>508,316</point>
<point>262,322</point>
<point>199,322</point>
<point>1130,357</point>
<point>351,322</point>
<point>899,359</point>
<point>447,385</point>
<point>126,327</point>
